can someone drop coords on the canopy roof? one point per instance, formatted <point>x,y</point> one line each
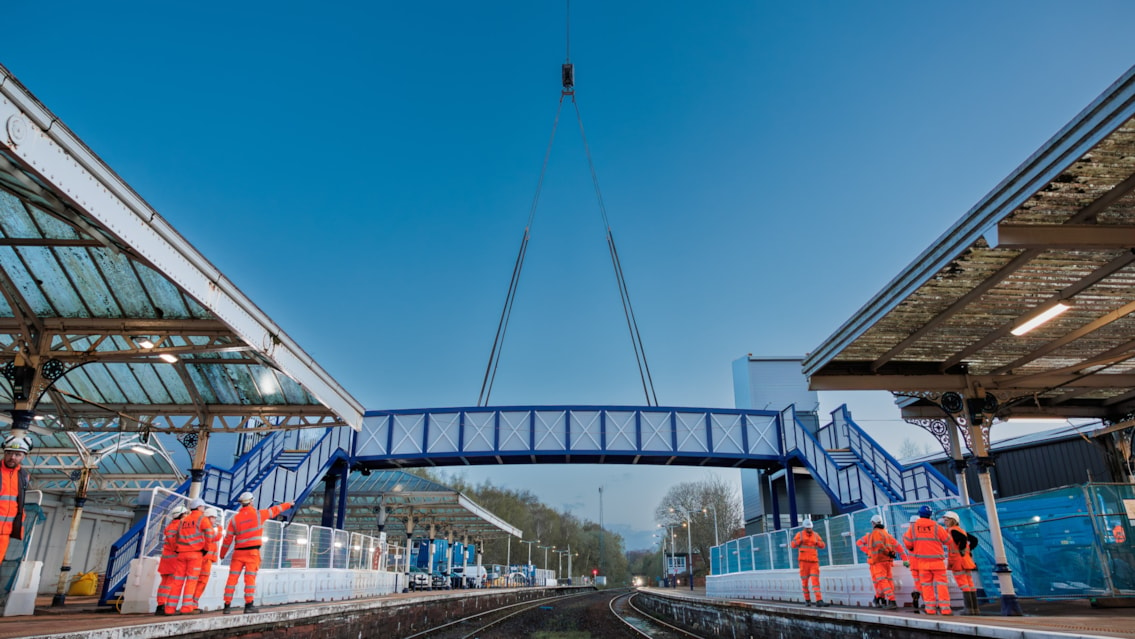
<point>1061,228</point>
<point>95,288</point>
<point>403,494</point>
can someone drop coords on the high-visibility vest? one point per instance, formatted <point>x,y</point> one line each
<point>879,546</point>
<point>212,538</point>
<point>9,498</point>
<point>959,560</point>
<point>246,528</point>
<point>191,532</point>
<point>169,547</point>
<point>808,541</point>
<point>926,540</point>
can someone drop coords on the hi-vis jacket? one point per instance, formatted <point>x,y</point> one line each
<point>927,540</point>
<point>808,541</point>
<point>246,528</point>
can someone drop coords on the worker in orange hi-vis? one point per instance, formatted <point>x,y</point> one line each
<point>13,486</point>
<point>245,532</point>
<point>960,561</point>
<point>881,549</point>
<point>190,551</point>
<point>169,557</point>
<point>212,543</point>
<point>927,540</point>
<point>912,563</point>
<point>808,541</point>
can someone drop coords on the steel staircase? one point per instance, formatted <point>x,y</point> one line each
<point>853,469</point>
<point>282,466</point>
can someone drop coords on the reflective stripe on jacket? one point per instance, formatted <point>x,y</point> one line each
<point>926,540</point>
<point>880,546</point>
<point>191,532</point>
<point>13,485</point>
<point>246,528</point>
<point>808,541</point>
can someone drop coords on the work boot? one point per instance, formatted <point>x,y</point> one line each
<point>808,603</point>
<point>250,608</point>
<point>161,611</point>
<point>971,603</point>
<point>820,603</point>
<point>891,605</point>
<point>914,597</point>
<point>228,609</point>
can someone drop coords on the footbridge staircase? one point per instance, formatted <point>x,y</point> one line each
<point>287,465</point>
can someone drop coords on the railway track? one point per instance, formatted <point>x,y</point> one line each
<point>611,615</point>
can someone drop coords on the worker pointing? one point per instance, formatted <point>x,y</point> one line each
<point>245,532</point>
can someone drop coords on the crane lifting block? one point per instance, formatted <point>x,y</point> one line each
<point>568,74</point>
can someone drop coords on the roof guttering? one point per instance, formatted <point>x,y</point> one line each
<point>1107,112</point>
<point>97,189</point>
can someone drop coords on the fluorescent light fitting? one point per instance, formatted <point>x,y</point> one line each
<point>1052,312</point>
<point>168,357</point>
<point>144,342</point>
<point>144,450</point>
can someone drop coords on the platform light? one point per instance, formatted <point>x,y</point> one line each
<point>142,450</point>
<point>168,357</point>
<point>144,342</point>
<point>1047,315</point>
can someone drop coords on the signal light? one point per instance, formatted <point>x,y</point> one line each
<point>594,572</point>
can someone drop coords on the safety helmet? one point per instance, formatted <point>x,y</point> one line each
<point>951,515</point>
<point>178,510</point>
<point>808,524</point>
<point>196,503</point>
<point>913,518</point>
<point>877,519</point>
<point>212,512</point>
<point>245,497</point>
<point>925,511</point>
<point>17,444</point>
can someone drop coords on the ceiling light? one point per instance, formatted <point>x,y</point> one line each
<point>144,342</point>
<point>144,450</point>
<point>168,357</point>
<point>1052,312</point>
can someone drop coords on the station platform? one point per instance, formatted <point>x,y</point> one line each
<point>1068,617</point>
<point>81,617</point>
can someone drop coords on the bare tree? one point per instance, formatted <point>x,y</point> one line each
<point>711,507</point>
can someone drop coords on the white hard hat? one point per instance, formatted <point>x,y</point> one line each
<point>17,444</point>
<point>807,523</point>
<point>245,497</point>
<point>876,519</point>
<point>951,515</point>
<point>178,510</point>
<point>913,518</point>
<point>196,503</point>
<point>212,512</point>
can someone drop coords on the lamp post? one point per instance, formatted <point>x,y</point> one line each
<point>546,548</point>
<point>668,564</point>
<point>560,563</point>
<point>689,546</point>
<point>715,539</point>
<point>529,565</point>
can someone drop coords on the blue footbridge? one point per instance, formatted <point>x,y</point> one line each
<point>852,468</point>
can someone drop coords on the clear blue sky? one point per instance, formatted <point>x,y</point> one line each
<point>363,171</point>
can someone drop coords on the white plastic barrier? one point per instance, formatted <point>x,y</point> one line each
<point>21,600</point>
<point>273,586</point>
<point>845,585</point>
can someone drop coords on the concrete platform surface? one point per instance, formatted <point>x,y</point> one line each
<point>1075,617</point>
<point>81,616</point>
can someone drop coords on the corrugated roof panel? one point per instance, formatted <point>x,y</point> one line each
<point>104,384</point>
<point>209,393</point>
<point>14,220</point>
<point>164,293</point>
<point>89,281</point>
<point>44,269</point>
<point>121,279</point>
<point>52,227</point>
<point>293,393</point>
<point>128,378</point>
<point>14,267</point>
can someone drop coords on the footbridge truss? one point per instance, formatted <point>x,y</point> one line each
<point>570,434</point>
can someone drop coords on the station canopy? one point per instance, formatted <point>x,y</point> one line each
<point>1056,235</point>
<point>403,494</point>
<point>111,321</point>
